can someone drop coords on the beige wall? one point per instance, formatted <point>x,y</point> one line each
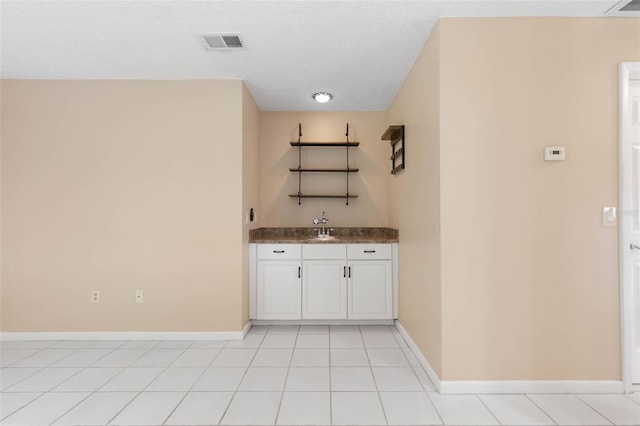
<point>530,275</point>
<point>505,269</point>
<point>250,184</point>
<point>415,202</point>
<point>277,129</point>
<point>118,186</point>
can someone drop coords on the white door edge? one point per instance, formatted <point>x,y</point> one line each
<point>626,70</point>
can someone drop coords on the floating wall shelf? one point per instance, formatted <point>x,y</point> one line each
<point>300,170</point>
<point>334,144</point>
<point>325,170</point>
<point>395,134</point>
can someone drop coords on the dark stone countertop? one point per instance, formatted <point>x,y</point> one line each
<point>348,235</point>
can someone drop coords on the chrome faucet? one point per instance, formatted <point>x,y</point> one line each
<point>322,232</point>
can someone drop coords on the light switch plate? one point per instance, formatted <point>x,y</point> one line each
<point>609,216</point>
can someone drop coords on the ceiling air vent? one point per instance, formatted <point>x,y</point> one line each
<point>632,6</point>
<point>625,8</point>
<point>222,41</point>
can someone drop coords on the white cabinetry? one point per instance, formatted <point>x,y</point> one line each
<point>278,282</point>
<point>324,282</point>
<point>370,289</point>
<point>370,292</point>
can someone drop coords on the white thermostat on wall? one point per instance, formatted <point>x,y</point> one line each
<point>554,153</point>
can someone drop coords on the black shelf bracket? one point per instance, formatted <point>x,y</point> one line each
<point>347,174</point>
<point>299,163</point>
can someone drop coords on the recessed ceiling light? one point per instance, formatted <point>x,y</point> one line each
<point>322,97</point>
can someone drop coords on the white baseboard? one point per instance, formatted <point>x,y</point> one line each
<point>126,335</point>
<point>531,386</point>
<point>323,322</point>
<point>246,329</point>
<point>510,386</point>
<point>421,359</point>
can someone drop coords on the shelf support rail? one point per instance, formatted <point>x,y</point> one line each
<point>347,135</point>
<point>299,164</point>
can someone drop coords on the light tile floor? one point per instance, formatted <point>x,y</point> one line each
<point>278,375</point>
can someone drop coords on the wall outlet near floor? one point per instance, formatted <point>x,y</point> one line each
<point>139,296</point>
<point>95,296</point>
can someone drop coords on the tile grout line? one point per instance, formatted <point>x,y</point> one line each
<point>330,382</point>
<point>50,391</point>
<point>375,383</point>
<point>540,408</point>
<point>92,392</point>
<point>435,408</point>
<point>204,370</point>
<point>628,395</point>
<point>243,376</point>
<point>108,381</point>
<point>38,369</point>
<point>488,409</point>
<point>286,377</point>
<point>137,392</point>
<point>594,409</point>
<point>37,351</point>
<point>36,372</point>
<point>22,406</point>
<point>81,369</point>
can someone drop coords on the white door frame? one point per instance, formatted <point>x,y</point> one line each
<point>626,70</point>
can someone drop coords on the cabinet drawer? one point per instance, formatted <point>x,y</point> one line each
<point>368,251</point>
<point>324,251</point>
<point>279,251</point>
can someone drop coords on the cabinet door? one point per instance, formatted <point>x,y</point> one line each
<point>324,289</point>
<point>278,290</point>
<point>370,290</point>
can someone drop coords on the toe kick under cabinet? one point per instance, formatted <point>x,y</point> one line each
<point>323,283</point>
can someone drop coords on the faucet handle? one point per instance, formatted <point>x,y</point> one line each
<point>316,221</point>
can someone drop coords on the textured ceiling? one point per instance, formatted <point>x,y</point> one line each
<point>358,50</point>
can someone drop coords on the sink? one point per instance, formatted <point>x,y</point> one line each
<point>323,237</point>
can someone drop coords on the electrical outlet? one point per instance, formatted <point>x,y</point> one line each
<point>609,217</point>
<point>139,296</point>
<point>95,296</point>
